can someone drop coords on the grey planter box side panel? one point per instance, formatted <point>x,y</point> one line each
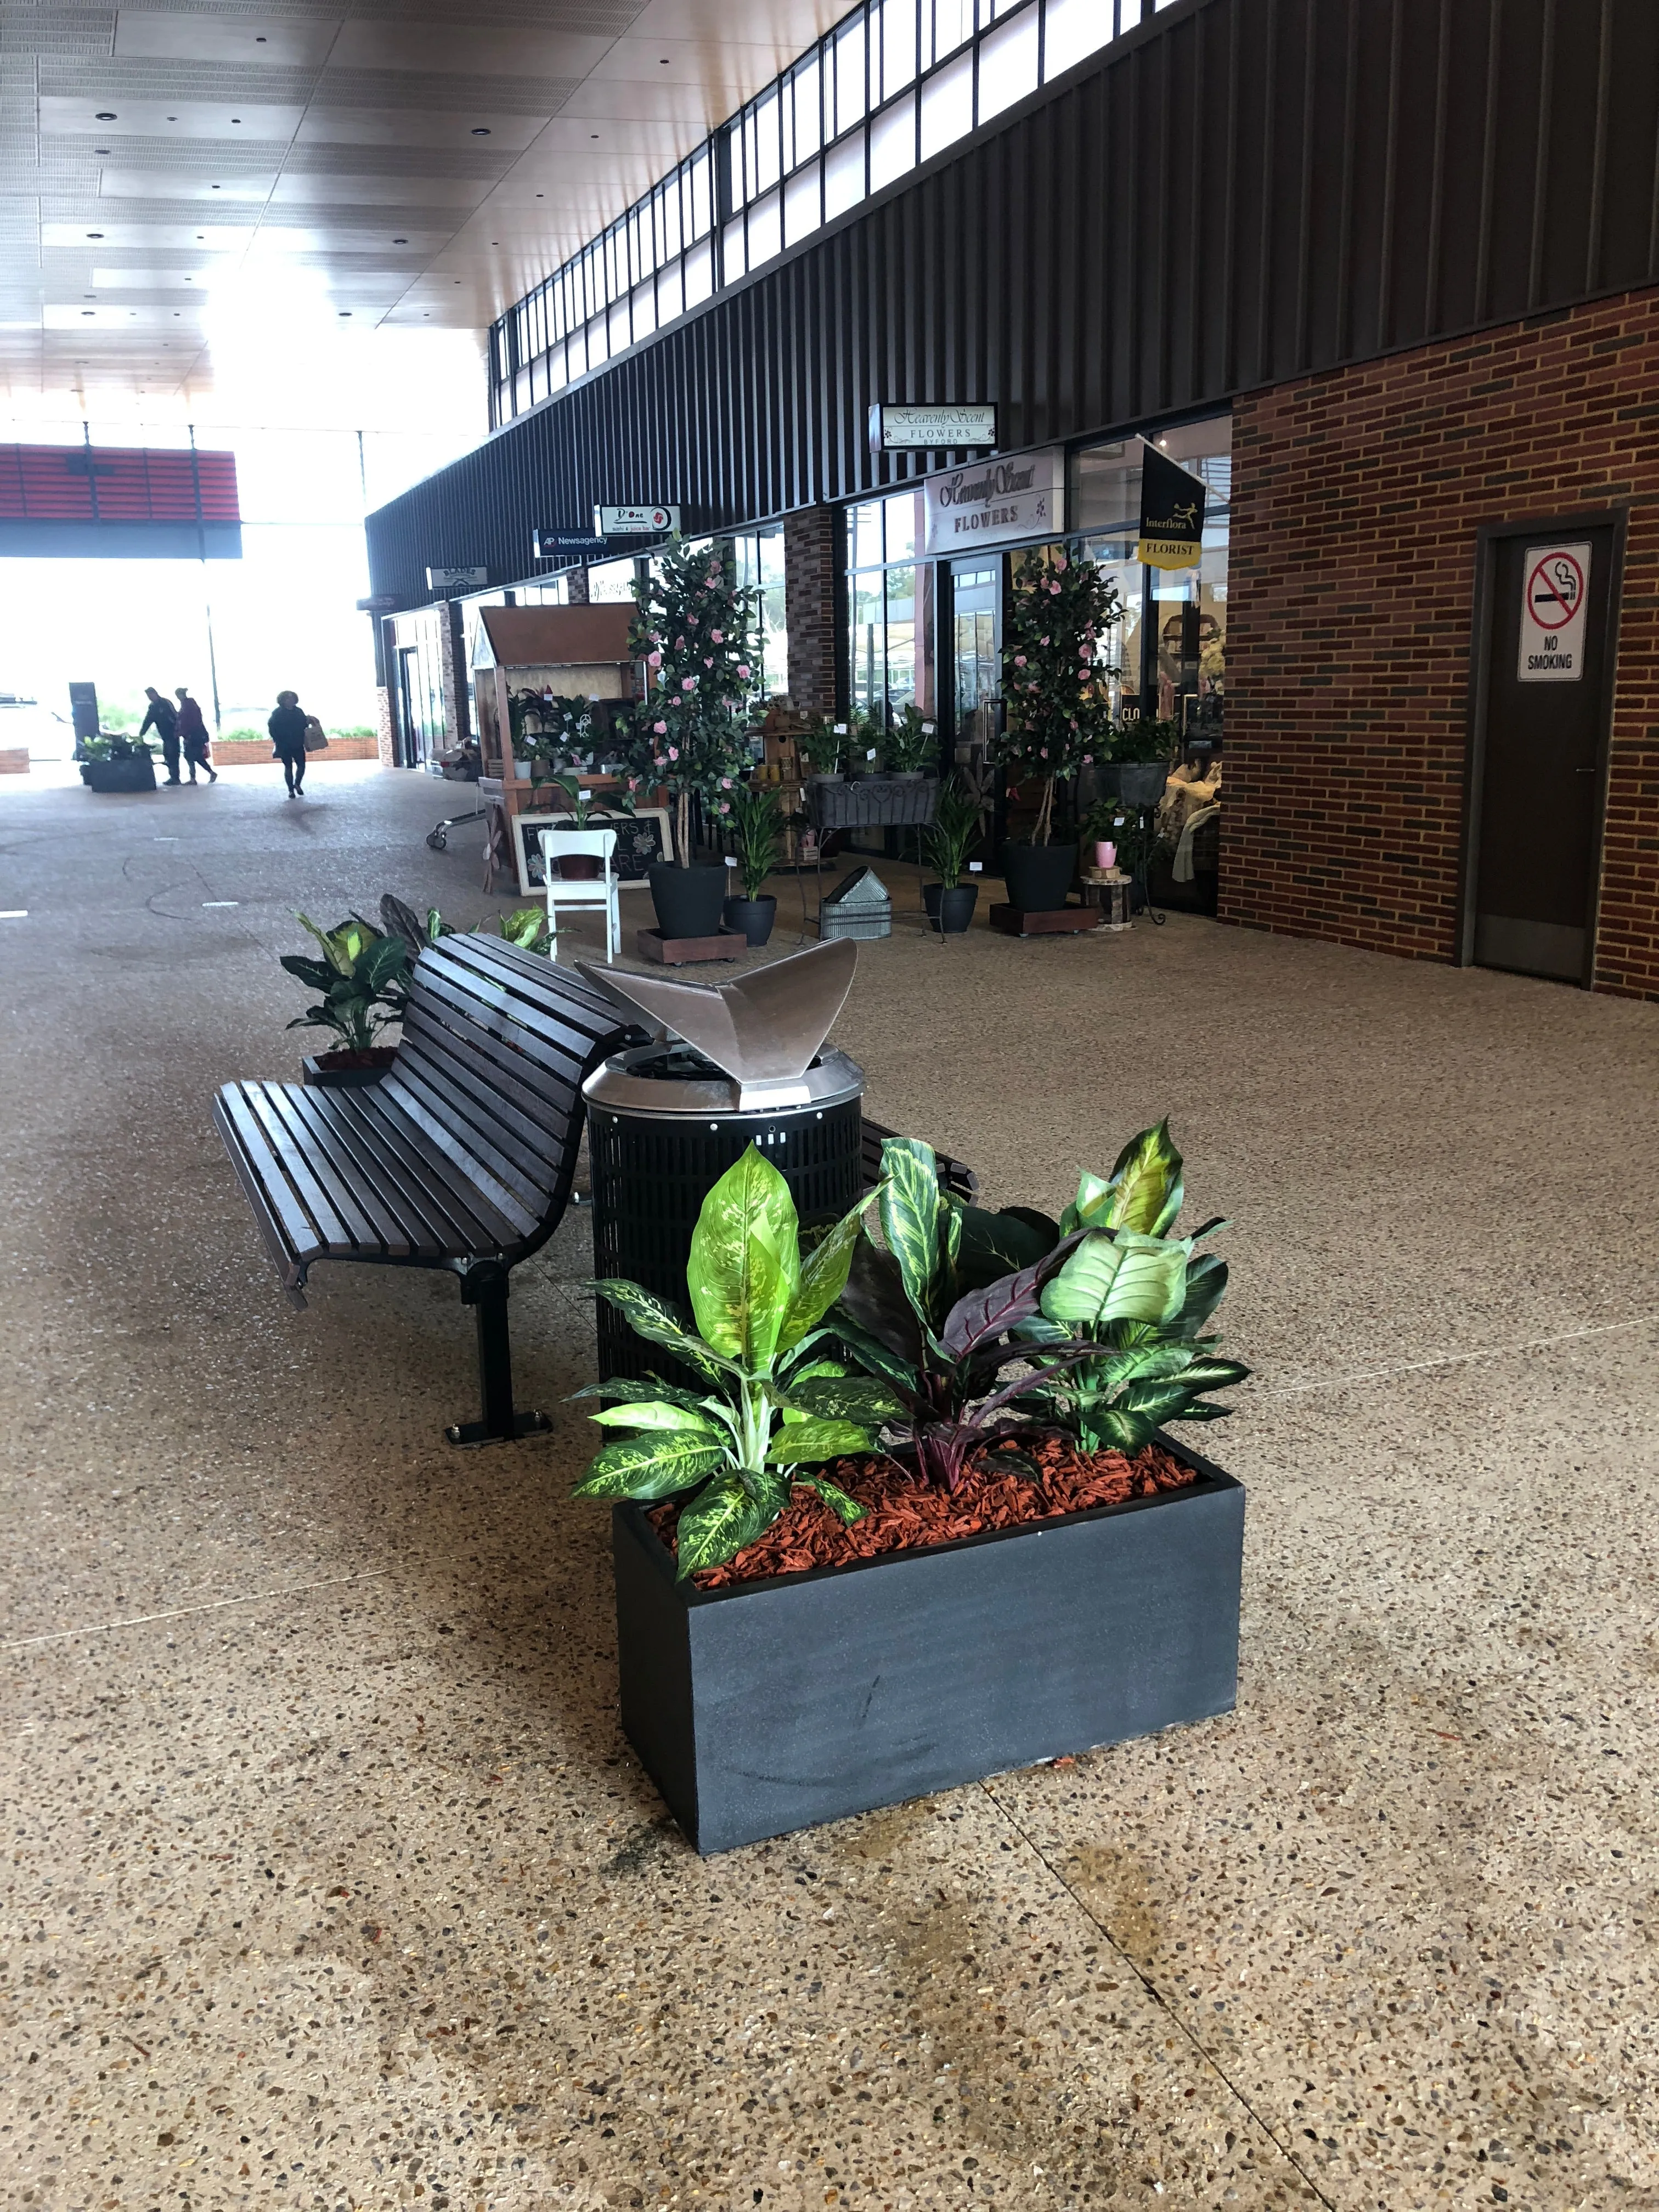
<point>846,1691</point>
<point>653,1663</point>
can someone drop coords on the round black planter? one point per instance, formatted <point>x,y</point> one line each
<point>688,900</point>
<point>754,917</point>
<point>1038,877</point>
<point>1141,783</point>
<point>950,911</point>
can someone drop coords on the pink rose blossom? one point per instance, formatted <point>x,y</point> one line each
<point>709,660</point>
<point>726,783</point>
<point>1088,760</point>
<point>661,728</point>
<point>1054,590</point>
<point>1043,640</point>
<point>688,683</point>
<point>673,752</point>
<point>719,637</point>
<point>1045,752</point>
<point>743,671</point>
<point>654,660</point>
<point>1059,563</point>
<point>1019,660</point>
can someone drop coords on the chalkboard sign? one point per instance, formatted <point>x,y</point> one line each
<point>643,840</point>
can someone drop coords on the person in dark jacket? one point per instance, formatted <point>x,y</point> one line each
<point>287,734</point>
<point>163,719</point>
<point>192,735</point>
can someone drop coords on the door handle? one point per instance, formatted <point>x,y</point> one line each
<point>1583,771</point>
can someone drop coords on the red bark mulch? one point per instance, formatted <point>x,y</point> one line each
<point>902,1512</point>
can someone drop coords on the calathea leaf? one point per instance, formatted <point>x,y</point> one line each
<point>835,1498</point>
<point>855,1398</point>
<point>745,1267</point>
<point>909,1210</point>
<point>984,1315</point>
<point>872,1353</point>
<point>657,1415</point>
<point>822,1279</point>
<point>874,1298</point>
<point>647,1316</point>
<point>719,1521</point>
<point>797,1443</point>
<point>651,1466</point>
<point>997,1244</point>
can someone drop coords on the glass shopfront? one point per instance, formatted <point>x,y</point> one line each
<point>891,605</point>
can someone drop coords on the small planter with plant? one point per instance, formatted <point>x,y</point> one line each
<point>1144,751</point>
<point>361,981</point>
<point>756,823</point>
<point>945,843</point>
<point>1023,1566</point>
<point>1062,614</point>
<point>585,809</point>
<point>911,751</point>
<point>110,761</point>
<point>694,631</point>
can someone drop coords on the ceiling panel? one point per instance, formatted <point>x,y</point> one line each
<point>417,161</point>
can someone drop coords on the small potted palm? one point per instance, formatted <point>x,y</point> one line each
<point>363,980</point>
<point>756,820</point>
<point>946,843</point>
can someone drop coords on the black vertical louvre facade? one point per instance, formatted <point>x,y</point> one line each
<point>1239,192</point>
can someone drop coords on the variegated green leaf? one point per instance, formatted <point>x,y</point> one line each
<point>799,1442</point>
<point>835,1498</point>
<point>744,1269</point>
<point>718,1522</point>
<point>625,1390</point>
<point>1127,1278</point>
<point>1146,1184</point>
<point>651,1466</point>
<point>853,1398</point>
<point>822,1279</point>
<point>656,1414</point>
<point>1093,1196</point>
<point>647,1316</point>
<point>910,1209</point>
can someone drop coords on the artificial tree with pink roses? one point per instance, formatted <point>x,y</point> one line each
<point>694,629</point>
<point>1061,618</point>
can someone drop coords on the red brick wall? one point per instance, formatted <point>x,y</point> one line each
<point>1356,500</point>
<point>811,558</point>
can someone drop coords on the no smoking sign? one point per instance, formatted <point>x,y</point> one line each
<point>1554,607</point>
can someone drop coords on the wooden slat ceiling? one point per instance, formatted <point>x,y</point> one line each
<point>426,159</point>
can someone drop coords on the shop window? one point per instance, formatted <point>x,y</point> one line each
<point>947,106</point>
<point>889,610</point>
<point>758,556</point>
<point>1008,65</point>
<point>611,582</point>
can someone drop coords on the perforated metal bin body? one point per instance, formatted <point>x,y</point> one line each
<point>662,1130</point>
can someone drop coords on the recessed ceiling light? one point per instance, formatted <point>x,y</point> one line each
<point>481,130</point>
<point>86,311</point>
<point>400,242</point>
<point>593,134</point>
<point>172,118</point>
<point>541,196</point>
<point>100,150</point>
<point>260,39</point>
<point>213,188</point>
<point>663,63</point>
<point>95,233</point>
<point>345,311</point>
<point>235,119</point>
<point>106,115</point>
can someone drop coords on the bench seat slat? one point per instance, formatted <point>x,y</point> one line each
<point>499,1139</point>
<point>327,1232</point>
<point>373,1233</point>
<point>459,1220</point>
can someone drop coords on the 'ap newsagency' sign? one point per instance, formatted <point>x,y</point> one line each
<point>1001,503</point>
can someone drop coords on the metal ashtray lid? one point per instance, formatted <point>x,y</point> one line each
<point>670,1082</point>
<point>765,1031</point>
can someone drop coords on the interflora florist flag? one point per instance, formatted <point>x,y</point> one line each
<point>1171,512</point>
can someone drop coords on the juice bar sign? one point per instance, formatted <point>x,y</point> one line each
<point>1002,502</point>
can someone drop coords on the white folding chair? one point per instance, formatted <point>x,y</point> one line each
<point>599,890</point>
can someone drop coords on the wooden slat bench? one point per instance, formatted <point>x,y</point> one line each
<point>461,1156</point>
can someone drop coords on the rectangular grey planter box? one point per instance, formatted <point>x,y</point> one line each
<point>776,1705</point>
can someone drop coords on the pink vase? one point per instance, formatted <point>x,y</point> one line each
<point>1105,856</point>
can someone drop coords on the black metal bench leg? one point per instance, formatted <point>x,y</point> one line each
<point>484,1288</point>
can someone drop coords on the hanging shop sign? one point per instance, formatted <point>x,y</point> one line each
<point>379,603</point>
<point>551,545</point>
<point>1554,609</point>
<point>457,580</point>
<point>941,429</point>
<point>1171,512</point>
<point>1003,502</point>
<point>634,521</point>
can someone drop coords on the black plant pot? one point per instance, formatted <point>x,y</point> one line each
<point>348,1071</point>
<point>950,911</point>
<point>133,774</point>
<point>1141,783</point>
<point>772,1705</point>
<point>1038,877</point>
<point>688,900</point>
<point>754,917</point>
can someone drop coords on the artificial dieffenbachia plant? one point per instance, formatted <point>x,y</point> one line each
<point>771,1412</point>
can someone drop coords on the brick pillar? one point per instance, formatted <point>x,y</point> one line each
<point>811,580</point>
<point>575,585</point>
<point>453,674</point>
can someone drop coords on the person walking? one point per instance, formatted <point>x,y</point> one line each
<point>193,737</point>
<point>287,734</point>
<point>163,719</point>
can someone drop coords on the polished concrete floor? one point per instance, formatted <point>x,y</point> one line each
<point>329,1880</point>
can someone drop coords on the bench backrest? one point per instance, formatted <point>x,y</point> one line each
<point>496,1042</point>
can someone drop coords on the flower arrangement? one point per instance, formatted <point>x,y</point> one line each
<point>694,629</point>
<point>1053,681</point>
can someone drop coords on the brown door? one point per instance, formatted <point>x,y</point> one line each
<point>1536,862</point>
